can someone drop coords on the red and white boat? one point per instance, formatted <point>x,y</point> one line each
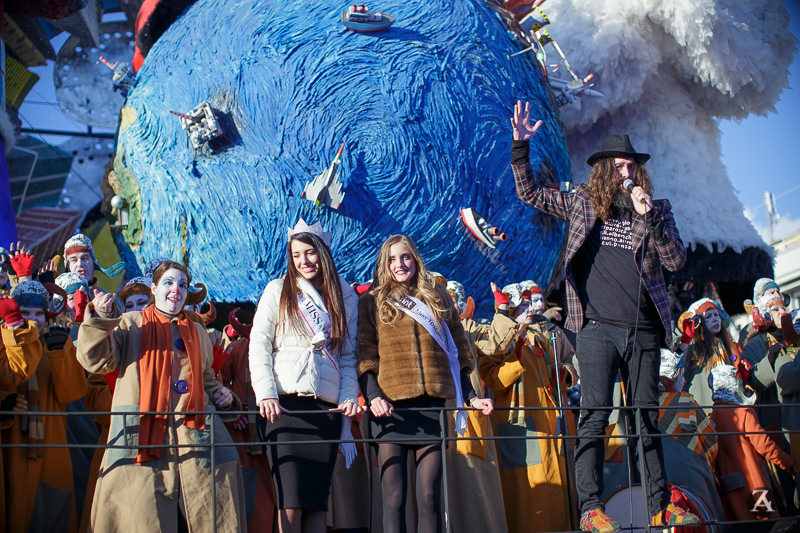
<point>359,18</point>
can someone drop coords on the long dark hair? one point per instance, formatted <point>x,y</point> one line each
<point>703,347</point>
<point>603,184</point>
<point>331,290</point>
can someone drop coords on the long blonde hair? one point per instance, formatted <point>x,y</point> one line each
<point>422,286</point>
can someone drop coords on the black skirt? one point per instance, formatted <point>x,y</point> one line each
<point>302,472</point>
<point>412,428</point>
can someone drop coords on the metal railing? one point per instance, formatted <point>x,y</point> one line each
<point>634,413</point>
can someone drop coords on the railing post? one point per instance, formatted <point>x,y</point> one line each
<point>642,477</point>
<point>446,492</point>
<point>213,475</point>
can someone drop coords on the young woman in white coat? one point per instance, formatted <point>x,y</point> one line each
<point>302,358</point>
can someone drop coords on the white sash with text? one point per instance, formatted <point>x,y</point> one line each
<point>421,313</point>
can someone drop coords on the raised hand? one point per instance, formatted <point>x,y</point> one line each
<point>22,261</point>
<point>500,298</point>
<point>48,267</point>
<point>103,303</point>
<point>521,122</point>
<point>10,313</point>
<point>80,300</point>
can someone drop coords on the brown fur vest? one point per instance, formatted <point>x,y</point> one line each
<point>405,358</point>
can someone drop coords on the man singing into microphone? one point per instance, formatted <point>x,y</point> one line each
<point>618,241</point>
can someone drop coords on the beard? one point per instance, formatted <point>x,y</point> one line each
<point>621,203</point>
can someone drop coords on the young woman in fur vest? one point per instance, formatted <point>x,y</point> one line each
<point>412,354</point>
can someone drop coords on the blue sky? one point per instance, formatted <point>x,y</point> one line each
<point>763,153</point>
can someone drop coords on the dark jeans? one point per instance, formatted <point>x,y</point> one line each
<point>602,350</point>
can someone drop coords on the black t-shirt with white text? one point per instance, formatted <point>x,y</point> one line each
<point>607,277</point>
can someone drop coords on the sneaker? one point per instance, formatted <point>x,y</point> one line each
<point>598,521</point>
<point>674,516</point>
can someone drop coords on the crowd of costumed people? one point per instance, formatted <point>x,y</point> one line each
<point>326,408</point>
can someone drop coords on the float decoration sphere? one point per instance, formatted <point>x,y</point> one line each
<point>423,109</point>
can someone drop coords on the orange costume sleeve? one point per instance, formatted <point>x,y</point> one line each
<point>763,443</point>
<point>20,353</point>
<point>69,379</point>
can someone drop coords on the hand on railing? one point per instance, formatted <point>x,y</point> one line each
<point>381,407</point>
<point>484,405</point>
<point>349,408</point>
<point>270,409</point>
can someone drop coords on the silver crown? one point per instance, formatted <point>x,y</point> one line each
<point>315,228</point>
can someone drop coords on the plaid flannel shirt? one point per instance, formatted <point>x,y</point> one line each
<point>664,245</point>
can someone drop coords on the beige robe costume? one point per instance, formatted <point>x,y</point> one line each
<point>146,498</point>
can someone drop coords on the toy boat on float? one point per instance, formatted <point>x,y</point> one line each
<point>360,19</point>
<point>478,226</point>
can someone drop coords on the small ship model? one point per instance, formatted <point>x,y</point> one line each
<point>122,77</point>
<point>360,19</point>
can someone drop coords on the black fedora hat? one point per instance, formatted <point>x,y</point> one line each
<point>617,145</point>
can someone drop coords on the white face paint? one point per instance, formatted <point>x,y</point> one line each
<point>171,291</point>
<point>523,312</point>
<point>81,263</point>
<point>711,321</point>
<point>137,302</point>
<point>36,315</point>
<point>537,302</point>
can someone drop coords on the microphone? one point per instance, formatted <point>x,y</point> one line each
<point>629,185</point>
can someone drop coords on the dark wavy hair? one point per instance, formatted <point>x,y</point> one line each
<point>704,347</point>
<point>603,184</point>
<point>331,290</point>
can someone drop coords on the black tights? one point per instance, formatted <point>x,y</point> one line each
<point>398,464</point>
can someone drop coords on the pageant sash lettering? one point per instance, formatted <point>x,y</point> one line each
<point>421,313</point>
<point>318,323</point>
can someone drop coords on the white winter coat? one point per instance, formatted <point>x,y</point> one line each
<point>283,360</point>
